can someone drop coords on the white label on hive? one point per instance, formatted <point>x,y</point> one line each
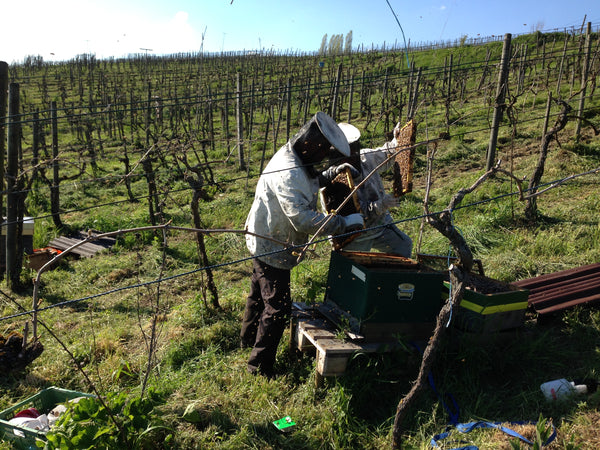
<point>406,291</point>
<point>358,273</point>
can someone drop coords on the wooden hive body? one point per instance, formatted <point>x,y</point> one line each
<point>333,195</point>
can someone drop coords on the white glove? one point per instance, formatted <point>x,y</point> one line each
<point>353,222</point>
<point>397,129</point>
<point>353,172</point>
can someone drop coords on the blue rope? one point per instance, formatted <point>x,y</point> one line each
<point>468,427</point>
<point>453,412</point>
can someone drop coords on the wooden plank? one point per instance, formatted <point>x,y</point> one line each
<point>309,331</point>
<point>334,346</point>
<point>331,365</point>
<point>333,356</point>
<point>86,250</point>
<point>333,353</point>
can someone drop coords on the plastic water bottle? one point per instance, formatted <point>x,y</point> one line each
<point>561,389</point>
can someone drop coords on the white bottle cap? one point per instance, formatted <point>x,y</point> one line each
<point>581,389</point>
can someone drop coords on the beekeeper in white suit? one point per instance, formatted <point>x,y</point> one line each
<point>375,202</point>
<point>285,209</point>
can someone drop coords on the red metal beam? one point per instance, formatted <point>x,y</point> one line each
<point>565,289</point>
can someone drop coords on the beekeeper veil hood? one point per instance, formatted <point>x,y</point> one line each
<point>352,135</point>
<point>313,140</point>
<point>350,131</point>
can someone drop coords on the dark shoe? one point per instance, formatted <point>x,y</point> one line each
<point>267,373</point>
<point>244,344</point>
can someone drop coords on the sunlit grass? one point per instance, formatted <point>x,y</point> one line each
<point>198,361</point>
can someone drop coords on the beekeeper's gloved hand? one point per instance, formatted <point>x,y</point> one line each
<point>397,130</point>
<point>393,144</point>
<point>328,175</point>
<point>353,222</point>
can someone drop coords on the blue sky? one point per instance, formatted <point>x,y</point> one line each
<point>61,29</point>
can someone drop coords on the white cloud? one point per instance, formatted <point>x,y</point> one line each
<point>180,18</point>
<point>160,36</point>
<point>61,30</point>
<point>179,35</point>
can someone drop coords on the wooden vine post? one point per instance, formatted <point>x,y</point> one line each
<point>448,94</point>
<point>412,106</point>
<point>54,188</point>
<point>562,64</point>
<point>14,133</point>
<point>306,102</point>
<point>288,112</point>
<point>584,79</point>
<point>3,103</point>
<point>350,98</point>
<point>499,102</point>
<point>240,123</point>
<point>336,93</point>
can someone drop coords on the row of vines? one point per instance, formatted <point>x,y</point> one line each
<point>151,126</point>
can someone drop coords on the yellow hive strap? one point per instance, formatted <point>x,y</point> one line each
<point>485,310</point>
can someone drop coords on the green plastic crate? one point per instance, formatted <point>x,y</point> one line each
<point>44,401</point>
<point>386,294</point>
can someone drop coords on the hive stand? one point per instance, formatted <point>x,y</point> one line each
<point>332,347</point>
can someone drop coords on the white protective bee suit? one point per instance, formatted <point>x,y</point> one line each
<point>375,201</point>
<point>285,209</point>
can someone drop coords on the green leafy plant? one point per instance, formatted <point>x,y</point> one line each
<point>123,423</point>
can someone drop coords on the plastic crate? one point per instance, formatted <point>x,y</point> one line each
<point>44,401</point>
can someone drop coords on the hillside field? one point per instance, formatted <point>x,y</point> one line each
<point>152,324</point>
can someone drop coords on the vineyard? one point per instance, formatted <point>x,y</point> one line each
<point>162,155</point>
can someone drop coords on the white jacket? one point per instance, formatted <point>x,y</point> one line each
<point>285,208</point>
<point>372,194</point>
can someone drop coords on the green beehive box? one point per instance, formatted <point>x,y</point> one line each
<point>490,305</point>
<point>384,294</point>
<point>44,401</point>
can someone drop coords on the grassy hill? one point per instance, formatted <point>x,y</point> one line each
<point>141,313</point>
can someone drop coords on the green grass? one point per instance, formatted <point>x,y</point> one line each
<point>496,378</point>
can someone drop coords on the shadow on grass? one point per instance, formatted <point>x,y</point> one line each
<point>294,439</point>
<point>493,377</point>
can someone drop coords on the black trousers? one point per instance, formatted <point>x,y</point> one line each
<point>268,308</point>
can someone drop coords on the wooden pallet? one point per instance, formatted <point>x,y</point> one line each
<point>332,350</point>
